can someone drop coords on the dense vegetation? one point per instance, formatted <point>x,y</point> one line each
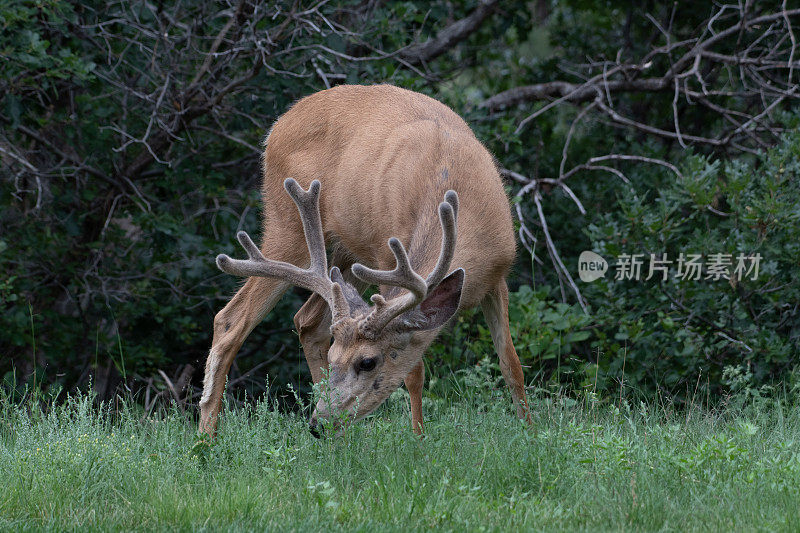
<point>129,157</point>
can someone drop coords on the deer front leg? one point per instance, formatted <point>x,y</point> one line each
<point>313,320</point>
<point>313,323</point>
<point>232,325</point>
<point>414,383</point>
<point>495,310</point>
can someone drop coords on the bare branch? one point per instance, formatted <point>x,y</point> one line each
<point>570,92</point>
<point>754,67</point>
<point>551,247</point>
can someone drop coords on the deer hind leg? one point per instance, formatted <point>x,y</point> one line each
<point>414,383</point>
<point>495,310</point>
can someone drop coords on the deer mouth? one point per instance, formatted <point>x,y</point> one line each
<point>336,418</point>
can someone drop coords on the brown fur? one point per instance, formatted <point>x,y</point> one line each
<point>385,157</point>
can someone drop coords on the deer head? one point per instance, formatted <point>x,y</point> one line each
<point>374,346</point>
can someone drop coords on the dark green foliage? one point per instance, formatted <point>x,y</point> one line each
<point>127,163</point>
<point>677,332</point>
<point>681,336</point>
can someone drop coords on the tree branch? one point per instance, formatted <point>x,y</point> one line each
<point>573,93</point>
<point>450,36</point>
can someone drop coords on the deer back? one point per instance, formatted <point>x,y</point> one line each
<point>385,157</point>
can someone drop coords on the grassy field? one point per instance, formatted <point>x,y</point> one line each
<point>582,467</point>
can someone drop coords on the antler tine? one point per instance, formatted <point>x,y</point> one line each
<point>307,203</point>
<point>338,304</point>
<point>257,265</point>
<point>315,278</point>
<point>402,276</point>
<point>448,214</point>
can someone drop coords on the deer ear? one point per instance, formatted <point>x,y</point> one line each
<point>438,306</point>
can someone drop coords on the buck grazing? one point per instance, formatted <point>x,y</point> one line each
<point>367,165</point>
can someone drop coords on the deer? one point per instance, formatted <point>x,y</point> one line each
<point>394,186</point>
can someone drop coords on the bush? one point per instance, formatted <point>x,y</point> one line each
<point>680,334</point>
<point>679,337</point>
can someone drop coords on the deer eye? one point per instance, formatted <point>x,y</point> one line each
<point>366,364</point>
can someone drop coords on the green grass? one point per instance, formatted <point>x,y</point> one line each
<point>582,467</point>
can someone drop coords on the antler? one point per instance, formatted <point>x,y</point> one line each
<point>315,278</point>
<point>404,276</point>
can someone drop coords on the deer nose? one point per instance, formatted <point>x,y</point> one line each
<point>312,427</point>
